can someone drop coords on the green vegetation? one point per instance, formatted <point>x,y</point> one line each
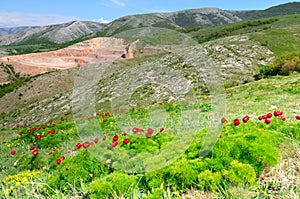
<point>16,83</point>
<point>208,33</point>
<point>6,88</point>
<point>35,45</point>
<point>58,160</point>
<point>239,158</point>
<point>284,65</point>
<point>282,37</point>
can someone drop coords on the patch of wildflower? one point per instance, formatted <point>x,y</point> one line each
<point>23,178</point>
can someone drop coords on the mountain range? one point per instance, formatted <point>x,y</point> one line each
<point>157,22</point>
<point>237,45</point>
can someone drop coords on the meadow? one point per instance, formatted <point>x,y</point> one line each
<point>258,137</point>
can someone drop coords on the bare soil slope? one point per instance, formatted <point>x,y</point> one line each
<point>91,51</point>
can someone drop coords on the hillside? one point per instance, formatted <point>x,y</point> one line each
<point>60,33</point>
<point>238,48</point>
<point>232,57</point>
<point>58,36</point>
<point>262,154</point>
<point>13,30</point>
<point>279,10</point>
<point>193,113</point>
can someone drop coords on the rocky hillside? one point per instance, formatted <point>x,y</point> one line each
<point>199,17</point>
<point>143,24</point>
<point>50,95</point>
<point>165,62</point>
<point>60,33</point>
<point>13,30</point>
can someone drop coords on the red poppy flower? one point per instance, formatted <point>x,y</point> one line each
<point>78,145</point>
<point>277,113</point>
<point>86,145</point>
<point>135,130</point>
<point>148,135</point>
<point>150,130</point>
<point>282,118</point>
<point>236,122</point>
<point>224,120</point>
<point>31,148</point>
<point>126,141</point>
<point>115,138</point>
<point>114,144</point>
<point>62,158</point>
<point>267,121</point>
<point>246,119</point>
<point>35,152</point>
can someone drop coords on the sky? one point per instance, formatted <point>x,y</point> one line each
<point>45,12</point>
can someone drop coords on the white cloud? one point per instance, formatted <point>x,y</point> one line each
<point>119,3</point>
<point>32,19</point>
<point>102,20</point>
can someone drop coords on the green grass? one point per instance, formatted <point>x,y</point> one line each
<point>283,36</point>
<point>229,170</point>
<point>234,168</point>
<point>279,34</point>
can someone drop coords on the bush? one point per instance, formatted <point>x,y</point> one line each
<point>240,173</point>
<point>114,184</point>
<point>284,65</point>
<point>209,180</point>
<point>81,168</point>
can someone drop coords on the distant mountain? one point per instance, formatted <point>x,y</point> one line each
<point>283,9</point>
<point>140,25</point>
<point>198,17</point>
<point>171,20</point>
<point>60,33</point>
<point>193,18</point>
<point>12,30</point>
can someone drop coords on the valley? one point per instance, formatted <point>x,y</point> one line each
<point>200,103</point>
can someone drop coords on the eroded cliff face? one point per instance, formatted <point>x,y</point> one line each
<point>87,52</point>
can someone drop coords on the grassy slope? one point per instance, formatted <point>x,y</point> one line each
<point>282,37</point>
<point>254,99</point>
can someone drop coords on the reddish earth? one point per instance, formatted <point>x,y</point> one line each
<point>87,52</point>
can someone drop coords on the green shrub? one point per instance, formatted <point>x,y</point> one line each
<point>253,146</point>
<point>156,193</point>
<point>182,175</point>
<point>240,173</point>
<point>283,65</point>
<point>114,184</point>
<point>80,168</point>
<point>209,180</point>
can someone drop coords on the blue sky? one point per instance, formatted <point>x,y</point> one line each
<point>45,12</point>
